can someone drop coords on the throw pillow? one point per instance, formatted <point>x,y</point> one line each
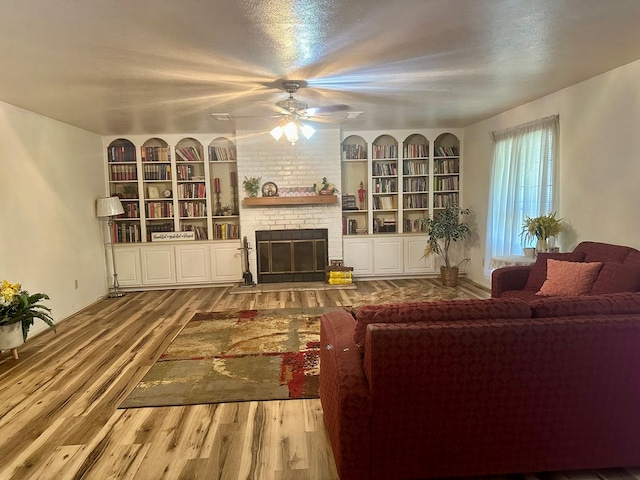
<point>569,278</point>
<point>617,277</point>
<point>538,273</point>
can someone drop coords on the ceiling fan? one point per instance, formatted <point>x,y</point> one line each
<point>292,111</point>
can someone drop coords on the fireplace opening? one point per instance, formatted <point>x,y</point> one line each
<point>292,255</point>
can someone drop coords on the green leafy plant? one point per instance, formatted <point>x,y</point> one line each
<point>541,228</point>
<point>251,185</point>
<point>324,186</point>
<point>444,229</point>
<point>18,306</point>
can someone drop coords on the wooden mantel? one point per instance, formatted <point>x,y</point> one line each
<point>284,201</point>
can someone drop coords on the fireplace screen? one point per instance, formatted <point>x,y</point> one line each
<point>291,255</point>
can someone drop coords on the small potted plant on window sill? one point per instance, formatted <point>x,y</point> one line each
<point>541,228</point>
<point>18,311</point>
<point>442,230</point>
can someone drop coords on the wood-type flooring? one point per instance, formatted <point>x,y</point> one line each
<point>58,403</point>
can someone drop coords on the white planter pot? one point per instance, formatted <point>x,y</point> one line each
<point>11,336</point>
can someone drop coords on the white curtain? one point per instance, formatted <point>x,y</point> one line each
<point>522,183</point>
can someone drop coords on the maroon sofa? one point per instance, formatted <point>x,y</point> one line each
<point>620,271</point>
<point>482,387</point>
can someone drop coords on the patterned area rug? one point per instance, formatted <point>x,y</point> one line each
<point>236,356</point>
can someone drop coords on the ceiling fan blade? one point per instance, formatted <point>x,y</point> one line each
<point>328,109</point>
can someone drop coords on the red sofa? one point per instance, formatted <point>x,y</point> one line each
<point>482,387</point>
<point>620,271</point>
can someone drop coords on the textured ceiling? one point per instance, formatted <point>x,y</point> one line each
<point>159,66</point>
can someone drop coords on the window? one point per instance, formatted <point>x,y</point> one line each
<point>522,183</point>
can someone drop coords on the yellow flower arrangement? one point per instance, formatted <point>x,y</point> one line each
<point>18,306</point>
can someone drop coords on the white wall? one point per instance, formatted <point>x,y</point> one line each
<point>300,165</point>
<point>50,175</point>
<point>599,160</point>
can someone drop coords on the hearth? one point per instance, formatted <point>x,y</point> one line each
<point>291,255</point>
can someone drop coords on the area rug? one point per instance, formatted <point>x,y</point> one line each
<point>236,356</point>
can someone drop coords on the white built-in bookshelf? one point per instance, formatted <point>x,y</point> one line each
<point>391,185</point>
<point>174,188</point>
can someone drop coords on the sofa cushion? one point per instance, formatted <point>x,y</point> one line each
<point>538,273</point>
<point>442,310</point>
<point>569,278</point>
<point>610,304</point>
<point>603,252</point>
<point>617,277</point>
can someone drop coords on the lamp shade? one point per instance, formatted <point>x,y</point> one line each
<point>108,207</point>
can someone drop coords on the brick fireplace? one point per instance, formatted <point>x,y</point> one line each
<point>303,164</point>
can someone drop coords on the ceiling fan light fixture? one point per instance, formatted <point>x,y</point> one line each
<point>307,131</point>
<point>291,132</point>
<point>277,132</point>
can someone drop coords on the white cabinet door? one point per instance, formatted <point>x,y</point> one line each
<point>158,265</point>
<point>388,256</point>
<point>414,262</point>
<point>193,264</point>
<point>226,262</point>
<point>127,265</point>
<point>358,253</point>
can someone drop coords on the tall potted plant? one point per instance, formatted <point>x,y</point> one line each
<point>442,230</point>
<point>18,311</point>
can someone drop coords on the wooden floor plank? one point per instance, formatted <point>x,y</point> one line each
<point>58,403</point>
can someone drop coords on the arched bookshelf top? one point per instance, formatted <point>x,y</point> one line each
<point>189,150</point>
<point>446,145</point>
<point>155,150</point>
<point>354,147</point>
<point>385,147</point>
<point>121,150</point>
<point>415,146</point>
<point>222,149</point>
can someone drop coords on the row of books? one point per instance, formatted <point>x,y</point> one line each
<point>385,151</point>
<point>446,165</point>
<point>159,210</point>
<point>188,154</point>
<point>225,231</point>
<point>221,153</point>
<point>385,185</point>
<point>415,185</point>
<point>155,154</point>
<point>415,168</point>
<point>158,227</point>
<point>186,172</point>
<point>122,153</point>
<point>193,209</point>
<point>385,202</point>
<point>349,226</point>
<point>131,210</point>
<point>416,201</point>
<point>200,231</point>
<point>123,172</point>
<point>384,169</point>
<point>124,232</point>
<point>416,151</point>
<point>157,172</point>
<point>446,183</point>
<point>414,225</point>
<point>384,225</point>
<point>445,151</point>
<point>442,200</point>
<point>192,190</point>
<point>354,151</point>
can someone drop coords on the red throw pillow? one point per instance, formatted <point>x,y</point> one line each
<point>538,273</point>
<point>566,279</point>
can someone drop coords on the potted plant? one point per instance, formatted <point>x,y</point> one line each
<point>442,230</point>
<point>18,311</point>
<point>541,228</point>
<point>325,187</point>
<point>251,185</point>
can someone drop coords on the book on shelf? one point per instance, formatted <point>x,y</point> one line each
<point>155,154</point>
<point>217,154</point>
<point>188,154</point>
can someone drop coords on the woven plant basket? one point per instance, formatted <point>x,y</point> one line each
<point>449,276</point>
